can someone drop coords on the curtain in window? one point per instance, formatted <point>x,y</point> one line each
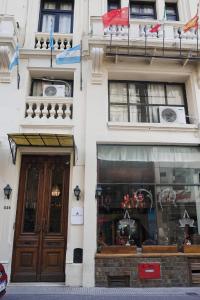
<point>156,95</point>
<point>65,23</point>
<point>148,153</point>
<point>118,93</point>
<point>66,6</point>
<point>46,22</point>
<point>49,5</point>
<point>118,113</point>
<point>175,95</point>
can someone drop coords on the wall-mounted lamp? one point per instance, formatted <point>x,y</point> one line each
<point>55,192</point>
<point>98,191</point>
<point>77,192</point>
<point>7,191</point>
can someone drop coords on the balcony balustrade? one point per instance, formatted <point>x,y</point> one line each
<point>138,29</point>
<point>61,41</point>
<point>48,109</point>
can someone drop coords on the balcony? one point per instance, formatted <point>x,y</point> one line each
<point>53,112</point>
<point>137,34</point>
<point>61,41</point>
<point>8,41</point>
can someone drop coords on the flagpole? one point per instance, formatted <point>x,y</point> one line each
<point>51,64</point>
<point>163,38</point>
<point>197,39</point>
<point>18,76</point>
<point>128,26</point>
<point>81,67</point>
<point>145,34</point>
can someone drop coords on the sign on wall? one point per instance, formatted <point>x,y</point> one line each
<point>77,216</point>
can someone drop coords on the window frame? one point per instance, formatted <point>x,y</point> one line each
<point>57,13</point>
<point>49,81</point>
<point>128,104</point>
<point>175,7</point>
<point>142,5</point>
<point>112,2</point>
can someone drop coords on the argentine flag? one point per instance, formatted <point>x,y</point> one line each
<point>69,56</point>
<point>15,59</point>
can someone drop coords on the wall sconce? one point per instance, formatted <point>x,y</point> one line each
<point>99,191</point>
<point>55,192</point>
<point>77,192</point>
<point>7,191</point>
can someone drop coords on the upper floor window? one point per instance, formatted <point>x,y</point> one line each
<point>142,10</point>
<point>113,4</point>
<point>148,102</point>
<point>51,88</point>
<point>171,11</point>
<point>58,12</point>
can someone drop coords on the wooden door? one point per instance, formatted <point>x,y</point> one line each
<point>41,220</point>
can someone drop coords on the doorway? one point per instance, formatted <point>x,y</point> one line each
<point>41,220</point>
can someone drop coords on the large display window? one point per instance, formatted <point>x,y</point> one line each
<point>150,195</point>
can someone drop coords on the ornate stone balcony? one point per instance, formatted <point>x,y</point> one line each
<point>137,33</point>
<point>61,41</point>
<point>48,111</point>
<point>8,41</point>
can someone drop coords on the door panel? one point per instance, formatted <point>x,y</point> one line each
<point>41,221</point>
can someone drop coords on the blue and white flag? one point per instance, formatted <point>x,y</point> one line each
<point>69,56</point>
<point>15,59</point>
<point>51,42</point>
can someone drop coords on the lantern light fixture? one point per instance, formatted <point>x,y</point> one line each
<point>77,192</point>
<point>99,191</point>
<point>7,191</point>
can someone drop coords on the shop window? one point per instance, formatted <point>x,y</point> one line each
<point>150,195</point>
<point>113,4</point>
<point>60,13</point>
<point>171,11</point>
<point>142,10</point>
<point>51,88</point>
<point>148,102</point>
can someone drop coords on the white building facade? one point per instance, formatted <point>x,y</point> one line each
<point>125,120</point>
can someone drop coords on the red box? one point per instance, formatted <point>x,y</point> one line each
<point>149,270</point>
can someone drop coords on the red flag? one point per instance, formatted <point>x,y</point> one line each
<point>155,28</point>
<point>116,17</point>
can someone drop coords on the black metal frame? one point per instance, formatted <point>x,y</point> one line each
<point>128,104</point>
<point>56,12</point>
<point>142,4</point>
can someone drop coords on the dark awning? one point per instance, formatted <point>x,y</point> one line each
<point>17,140</point>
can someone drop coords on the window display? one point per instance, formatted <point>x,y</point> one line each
<point>150,195</point>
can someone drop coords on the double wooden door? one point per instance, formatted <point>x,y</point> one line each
<point>41,220</point>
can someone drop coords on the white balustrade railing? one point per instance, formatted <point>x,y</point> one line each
<point>48,108</point>
<point>61,41</point>
<point>140,28</point>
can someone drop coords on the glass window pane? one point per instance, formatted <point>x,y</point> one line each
<point>56,200</point>
<point>139,113</point>
<point>118,113</point>
<point>49,5</point>
<point>175,95</point>
<point>46,22</point>
<point>65,23</point>
<point>156,94</point>
<point>31,199</point>
<point>118,92</point>
<point>66,6</point>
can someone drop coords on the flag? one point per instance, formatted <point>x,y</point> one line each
<point>51,42</point>
<point>15,59</point>
<point>69,56</point>
<point>116,17</point>
<point>192,23</point>
<point>155,28</point>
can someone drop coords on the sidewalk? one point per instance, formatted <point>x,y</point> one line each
<point>51,289</point>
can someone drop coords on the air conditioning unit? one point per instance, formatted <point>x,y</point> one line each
<point>50,90</point>
<point>172,114</point>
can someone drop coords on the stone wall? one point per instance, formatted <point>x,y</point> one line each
<point>174,270</point>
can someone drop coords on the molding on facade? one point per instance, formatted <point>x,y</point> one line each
<point>4,64</point>
<point>153,127</point>
<point>97,61</point>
